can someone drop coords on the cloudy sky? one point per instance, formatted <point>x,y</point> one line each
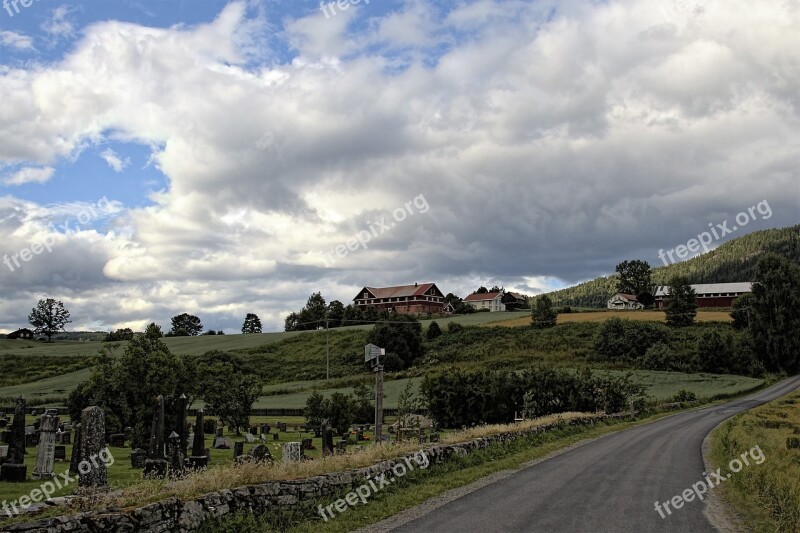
<point>204,156</point>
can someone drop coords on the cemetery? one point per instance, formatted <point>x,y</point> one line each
<point>41,444</point>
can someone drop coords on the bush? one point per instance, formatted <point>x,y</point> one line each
<point>454,327</point>
<point>662,356</point>
<point>685,396</point>
<point>433,331</point>
<point>565,310</point>
<point>628,339</point>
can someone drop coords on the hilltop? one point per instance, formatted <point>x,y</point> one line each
<point>732,261</point>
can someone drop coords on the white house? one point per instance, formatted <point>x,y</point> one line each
<point>624,302</point>
<point>493,301</point>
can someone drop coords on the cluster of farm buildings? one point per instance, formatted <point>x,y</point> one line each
<point>709,295</point>
<point>422,298</point>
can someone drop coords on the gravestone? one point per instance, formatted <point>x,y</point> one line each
<point>327,442</point>
<point>307,444</point>
<point>3,454</point>
<point>238,449</point>
<point>14,470</point>
<point>156,466</point>
<point>75,458</point>
<point>341,446</point>
<point>220,432</point>
<point>92,470</point>
<point>64,437</point>
<point>5,437</point>
<point>199,457</point>
<point>60,453</point>
<point>180,424</point>
<point>31,437</point>
<point>138,457</point>
<point>261,454</point>
<point>249,438</point>
<point>276,437</point>
<point>118,440</point>
<point>176,464</point>
<point>223,443</point>
<point>292,452</point>
<point>46,454</point>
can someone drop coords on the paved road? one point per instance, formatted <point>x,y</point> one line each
<point>608,485</point>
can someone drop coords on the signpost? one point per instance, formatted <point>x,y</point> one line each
<point>372,352</point>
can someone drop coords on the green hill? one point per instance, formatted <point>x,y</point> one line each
<point>732,261</point>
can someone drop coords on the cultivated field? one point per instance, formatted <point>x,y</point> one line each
<point>602,316</point>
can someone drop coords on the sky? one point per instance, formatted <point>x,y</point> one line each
<point>226,157</point>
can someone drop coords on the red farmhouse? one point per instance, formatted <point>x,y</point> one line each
<point>412,299</point>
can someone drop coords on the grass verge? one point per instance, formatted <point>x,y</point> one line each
<point>766,496</point>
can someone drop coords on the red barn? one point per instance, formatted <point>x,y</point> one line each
<point>709,294</point>
<point>418,298</point>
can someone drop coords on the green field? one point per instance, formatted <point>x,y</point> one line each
<point>661,386</point>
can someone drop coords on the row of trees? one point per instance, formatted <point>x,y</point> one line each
<point>463,398</point>
<point>126,386</point>
<point>51,316</point>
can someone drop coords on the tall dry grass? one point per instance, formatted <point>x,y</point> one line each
<point>231,476</point>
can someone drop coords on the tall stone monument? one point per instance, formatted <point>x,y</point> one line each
<point>156,464</point>
<point>75,458</point>
<point>14,470</point>
<point>180,423</point>
<point>176,466</point>
<point>46,454</point>
<point>199,459</point>
<point>92,470</point>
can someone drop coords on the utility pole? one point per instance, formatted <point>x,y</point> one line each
<point>327,351</point>
<point>379,403</point>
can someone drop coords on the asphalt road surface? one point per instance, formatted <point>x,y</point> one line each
<point>610,484</point>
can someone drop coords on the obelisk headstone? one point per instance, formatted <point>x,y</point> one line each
<point>199,459</point>
<point>180,423</point>
<point>46,454</point>
<point>176,466</point>
<point>156,465</point>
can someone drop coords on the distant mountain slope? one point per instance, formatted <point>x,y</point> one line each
<point>732,261</point>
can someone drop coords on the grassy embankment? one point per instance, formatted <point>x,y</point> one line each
<point>767,496</point>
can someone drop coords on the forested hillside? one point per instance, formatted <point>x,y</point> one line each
<point>732,261</point>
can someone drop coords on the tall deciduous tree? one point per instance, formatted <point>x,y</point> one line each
<point>252,324</point>
<point>401,336</point>
<point>542,313</point>
<point>774,317</point>
<point>634,277</point>
<point>186,325</point>
<point>228,386</point>
<point>127,386</point>
<point>681,307</point>
<point>49,317</point>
